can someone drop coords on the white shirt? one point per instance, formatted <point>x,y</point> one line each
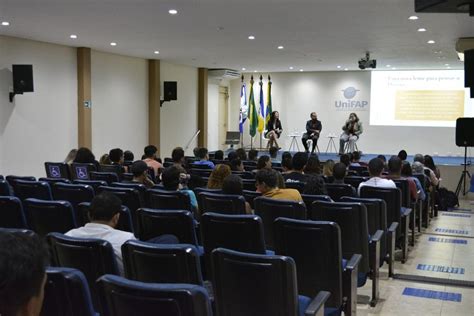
<point>378,183</point>
<point>101,231</point>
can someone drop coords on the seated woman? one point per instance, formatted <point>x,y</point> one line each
<point>216,179</point>
<point>274,129</point>
<point>233,185</point>
<point>351,132</point>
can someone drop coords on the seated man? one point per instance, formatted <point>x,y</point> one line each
<point>266,182</point>
<point>150,159</point>
<point>173,180</point>
<point>273,151</point>
<point>139,169</point>
<point>376,166</point>
<point>339,172</point>
<point>204,158</point>
<point>313,130</point>
<point>104,214</point>
<point>22,273</point>
<point>298,162</point>
<point>253,155</point>
<point>116,157</point>
<point>395,171</point>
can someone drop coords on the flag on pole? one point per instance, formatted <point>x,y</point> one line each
<point>261,109</point>
<point>269,101</point>
<point>252,111</point>
<point>243,107</point>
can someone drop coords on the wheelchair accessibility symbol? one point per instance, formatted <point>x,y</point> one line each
<point>54,172</point>
<point>82,173</point>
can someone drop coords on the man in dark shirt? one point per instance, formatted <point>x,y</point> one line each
<point>313,129</point>
<point>296,175</point>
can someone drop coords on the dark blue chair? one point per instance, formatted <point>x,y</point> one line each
<point>308,199</point>
<point>159,263</point>
<point>248,184</point>
<point>5,189</point>
<point>299,186</point>
<point>337,191</point>
<point>52,181</point>
<point>66,293</point>
<point>168,200</point>
<point>80,171</point>
<point>57,170</point>
<point>93,183</point>
<point>141,188</point>
<point>108,177</point>
<point>128,177</point>
<point>44,217</point>
<point>32,189</point>
<point>18,230</point>
<point>317,251</point>
<point>250,284</point>
<point>270,209</point>
<point>74,194</point>
<point>355,180</point>
<point>117,169</point>
<point>11,178</point>
<point>129,197</point>
<point>125,221</point>
<point>121,297</point>
<point>11,213</point>
<point>221,203</point>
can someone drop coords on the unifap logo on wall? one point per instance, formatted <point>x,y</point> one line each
<point>350,102</point>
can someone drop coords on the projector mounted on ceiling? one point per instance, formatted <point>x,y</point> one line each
<point>367,62</point>
<point>445,6</point>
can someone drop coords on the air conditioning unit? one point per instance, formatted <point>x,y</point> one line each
<point>223,74</point>
<point>464,43</point>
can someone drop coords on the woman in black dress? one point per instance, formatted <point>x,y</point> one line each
<point>273,130</point>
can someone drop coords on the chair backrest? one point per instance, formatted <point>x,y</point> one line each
<point>74,193</point>
<point>93,183</point>
<point>80,171</point>
<point>129,197</point>
<point>308,199</point>
<point>159,263</point>
<point>317,251</point>
<point>248,184</point>
<point>32,189</point>
<point>57,170</point>
<point>354,180</point>
<point>270,209</point>
<point>392,198</point>
<point>200,166</point>
<point>11,178</point>
<point>250,284</point>
<point>295,185</point>
<point>358,169</point>
<point>202,172</point>
<point>153,223</point>
<point>404,187</point>
<point>125,221</point>
<point>336,191</point>
<point>66,293</point>
<point>117,169</point>
<point>244,174</point>
<point>221,203</point>
<point>11,213</point>
<point>121,297</point>
<point>93,257</point>
<point>352,219</point>
<point>423,180</point>
<point>250,195</point>
<point>127,176</point>
<point>44,217</point>
<point>141,188</point>
<point>108,177</point>
<point>52,181</point>
<point>5,189</point>
<point>168,200</point>
<point>376,217</point>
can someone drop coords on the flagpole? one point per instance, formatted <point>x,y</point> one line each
<point>260,101</point>
<point>242,134</point>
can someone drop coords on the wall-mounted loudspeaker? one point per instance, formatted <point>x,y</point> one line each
<point>465,132</point>
<point>469,68</point>
<point>170,90</point>
<point>22,78</point>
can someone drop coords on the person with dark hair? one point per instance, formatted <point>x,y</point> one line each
<point>394,173</point>
<point>351,133</point>
<point>339,173</point>
<point>313,166</point>
<point>266,181</point>
<point>219,155</point>
<point>116,156</point>
<point>196,152</point>
<point>286,165</point>
<point>70,156</point>
<point>429,163</point>
<point>376,167</point>
<point>355,159</point>
<point>237,165</point>
<point>172,179</point>
<point>432,176</point>
<point>241,154</point>
<point>232,155</point>
<point>140,175</point>
<point>85,155</point>
<point>150,159</point>
<point>299,162</point>
<point>177,155</point>
<point>313,130</point>
<point>402,154</point>
<point>286,154</point>
<point>253,155</point>
<point>273,151</point>
<point>274,130</point>
<point>263,162</point>
<point>220,172</point>
<point>128,155</point>
<point>23,261</point>
<point>408,173</point>
<point>105,160</point>
<point>204,158</point>
<point>104,214</point>
<point>345,159</point>
<point>233,185</point>
<point>315,186</point>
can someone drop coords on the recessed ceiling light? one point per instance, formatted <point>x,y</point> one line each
<point>431,42</point>
<point>413,17</point>
<point>437,52</point>
<point>280,47</point>
<point>394,68</point>
<point>251,37</point>
<point>113,44</point>
<point>244,69</point>
<point>441,57</point>
<point>254,71</point>
<point>388,66</point>
<point>5,23</point>
<point>301,70</point>
<point>346,69</point>
<point>173,11</point>
<point>73,36</point>
<point>156,52</point>
<point>338,67</point>
<point>446,65</point>
<point>291,67</point>
<point>421,29</point>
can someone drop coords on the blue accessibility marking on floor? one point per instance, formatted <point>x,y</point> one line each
<point>436,268</point>
<point>456,215</point>
<point>436,295</point>
<point>452,231</point>
<point>448,240</point>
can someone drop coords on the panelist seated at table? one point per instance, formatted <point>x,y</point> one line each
<point>313,130</point>
<point>274,130</point>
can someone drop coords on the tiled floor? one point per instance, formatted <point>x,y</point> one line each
<point>393,302</point>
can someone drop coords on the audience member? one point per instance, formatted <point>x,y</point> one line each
<point>263,163</point>
<point>237,165</point>
<point>345,159</point>
<point>266,183</point>
<point>196,152</point>
<point>172,179</point>
<point>253,155</point>
<point>177,155</point>
<point>384,160</point>
<point>85,155</point>
<point>241,154</point>
<point>339,173</point>
<point>402,154</point>
<point>286,165</point>
<point>116,156</point>
<point>432,176</point>
<point>407,173</point>
<point>328,168</point>
<point>233,185</point>
<point>150,159</point>
<point>376,166</point>
<point>394,173</point>
<point>313,166</point>
<point>273,151</point>
<point>219,155</point>
<point>22,274</point>
<point>105,160</point>
<point>286,154</point>
<point>429,162</point>
<point>139,169</point>
<point>299,162</point>
<point>232,155</point>
<point>315,186</point>
<point>204,158</point>
<point>70,156</point>
<point>216,179</point>
<point>128,156</point>
<point>104,214</point>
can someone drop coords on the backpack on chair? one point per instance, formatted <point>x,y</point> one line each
<point>447,199</point>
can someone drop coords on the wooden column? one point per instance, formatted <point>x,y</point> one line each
<point>202,107</point>
<point>84,117</point>
<point>154,92</point>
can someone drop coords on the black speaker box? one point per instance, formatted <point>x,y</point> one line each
<point>469,68</point>
<point>22,78</point>
<point>170,90</point>
<point>465,131</point>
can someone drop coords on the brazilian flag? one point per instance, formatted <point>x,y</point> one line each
<point>252,112</point>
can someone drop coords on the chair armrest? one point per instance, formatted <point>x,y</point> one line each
<point>406,211</point>
<point>316,307</point>
<point>349,284</point>
<point>393,227</point>
<point>377,236</point>
<point>353,263</point>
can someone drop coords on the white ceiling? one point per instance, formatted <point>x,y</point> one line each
<point>317,35</point>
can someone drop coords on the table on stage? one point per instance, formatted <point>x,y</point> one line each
<point>331,143</point>
<point>294,141</point>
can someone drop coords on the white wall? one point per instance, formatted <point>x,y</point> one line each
<point>42,125</point>
<point>295,95</point>
<point>119,103</point>
<point>179,118</point>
